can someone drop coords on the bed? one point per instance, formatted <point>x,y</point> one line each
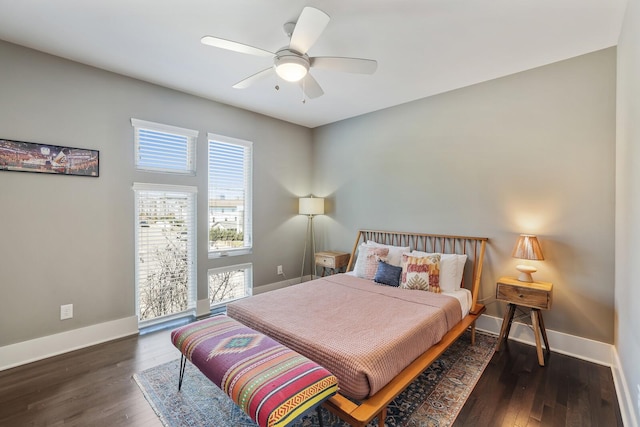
<point>375,339</point>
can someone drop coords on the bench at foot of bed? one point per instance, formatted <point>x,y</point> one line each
<point>271,383</point>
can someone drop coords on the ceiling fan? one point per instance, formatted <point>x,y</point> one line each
<point>291,62</point>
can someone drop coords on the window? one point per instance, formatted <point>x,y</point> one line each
<point>229,210</point>
<point>165,245</point>
<point>164,148</point>
<point>229,283</point>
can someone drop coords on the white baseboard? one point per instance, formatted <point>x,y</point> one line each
<point>625,397</point>
<point>24,352</point>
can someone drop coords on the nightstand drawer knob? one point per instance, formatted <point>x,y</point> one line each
<point>521,296</point>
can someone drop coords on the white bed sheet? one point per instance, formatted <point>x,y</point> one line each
<point>463,295</point>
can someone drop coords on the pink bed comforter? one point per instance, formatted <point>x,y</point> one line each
<point>363,333</point>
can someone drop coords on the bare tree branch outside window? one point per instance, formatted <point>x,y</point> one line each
<point>226,286</point>
<point>166,288</point>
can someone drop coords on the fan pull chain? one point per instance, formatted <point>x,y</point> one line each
<point>275,78</point>
<point>304,101</point>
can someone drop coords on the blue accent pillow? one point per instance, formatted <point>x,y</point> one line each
<point>387,274</point>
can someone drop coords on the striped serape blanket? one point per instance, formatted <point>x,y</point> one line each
<point>271,383</point>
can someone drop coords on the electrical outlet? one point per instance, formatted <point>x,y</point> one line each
<point>279,270</point>
<point>66,311</point>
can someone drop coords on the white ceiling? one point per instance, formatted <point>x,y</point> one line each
<point>423,47</point>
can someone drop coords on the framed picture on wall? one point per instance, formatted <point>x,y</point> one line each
<point>19,156</point>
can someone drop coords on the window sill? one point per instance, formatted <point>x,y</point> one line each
<point>232,252</point>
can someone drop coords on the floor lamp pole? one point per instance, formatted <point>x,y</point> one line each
<point>313,247</point>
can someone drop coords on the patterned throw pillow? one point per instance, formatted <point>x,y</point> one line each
<point>421,273</point>
<point>367,261</point>
<point>451,269</point>
<point>388,274</point>
<point>395,252</point>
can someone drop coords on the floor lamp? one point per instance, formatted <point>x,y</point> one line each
<point>310,206</point>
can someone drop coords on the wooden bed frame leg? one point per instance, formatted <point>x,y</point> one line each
<point>382,416</point>
<point>473,333</point>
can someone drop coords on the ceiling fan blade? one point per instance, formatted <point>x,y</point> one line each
<point>235,46</point>
<point>310,25</point>
<point>311,87</point>
<point>254,78</point>
<point>349,65</point>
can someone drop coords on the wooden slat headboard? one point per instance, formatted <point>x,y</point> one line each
<point>473,247</point>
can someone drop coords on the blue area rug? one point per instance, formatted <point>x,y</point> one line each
<point>434,399</point>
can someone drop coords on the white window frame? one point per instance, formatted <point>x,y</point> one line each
<point>248,277</point>
<point>248,199</point>
<point>192,287</point>
<point>189,134</point>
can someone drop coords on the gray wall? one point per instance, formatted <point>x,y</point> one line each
<point>532,152</point>
<point>627,325</point>
<point>70,239</point>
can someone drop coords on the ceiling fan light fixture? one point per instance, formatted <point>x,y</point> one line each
<point>291,68</point>
<point>292,63</point>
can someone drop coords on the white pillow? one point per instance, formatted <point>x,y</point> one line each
<point>395,252</point>
<point>451,269</point>
<point>462,260</point>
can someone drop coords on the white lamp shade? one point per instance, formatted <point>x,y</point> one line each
<point>311,206</point>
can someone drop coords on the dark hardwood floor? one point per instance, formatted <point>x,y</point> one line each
<point>88,387</point>
<point>94,387</point>
<point>515,391</point>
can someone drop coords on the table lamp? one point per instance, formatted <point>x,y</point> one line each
<point>527,247</point>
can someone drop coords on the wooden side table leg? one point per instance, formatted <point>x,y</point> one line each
<point>512,312</point>
<point>544,333</point>
<point>535,316</point>
<point>506,324</point>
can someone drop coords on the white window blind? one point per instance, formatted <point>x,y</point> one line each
<point>165,244</point>
<point>230,195</point>
<point>229,283</point>
<point>164,148</point>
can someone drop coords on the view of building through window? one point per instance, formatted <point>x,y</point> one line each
<point>229,194</point>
